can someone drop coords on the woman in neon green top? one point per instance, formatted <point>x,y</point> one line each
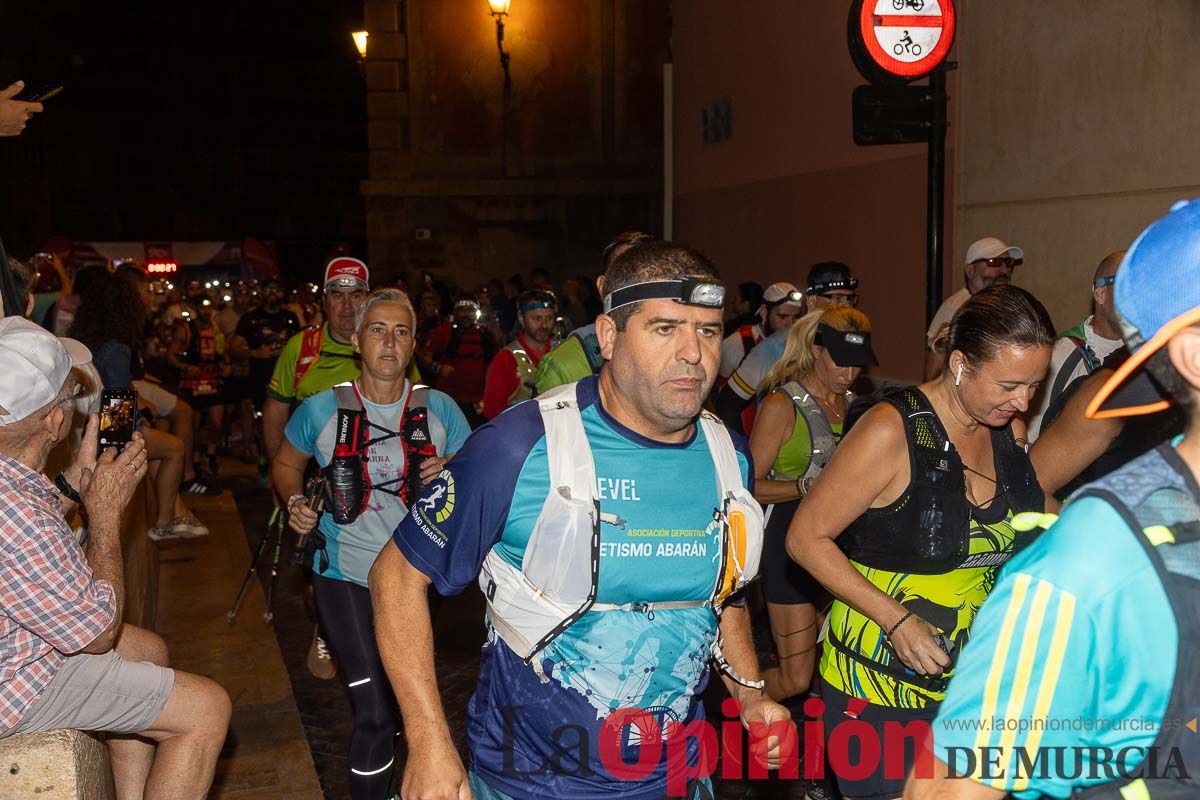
<point>920,500</point>
<point>798,425</point>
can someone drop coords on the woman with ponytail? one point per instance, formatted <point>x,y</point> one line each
<point>800,421</point>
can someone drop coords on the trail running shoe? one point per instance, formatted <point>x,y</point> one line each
<point>320,661</point>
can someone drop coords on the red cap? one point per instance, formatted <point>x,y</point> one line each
<point>346,273</point>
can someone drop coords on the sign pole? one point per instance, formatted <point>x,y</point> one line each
<point>935,194</point>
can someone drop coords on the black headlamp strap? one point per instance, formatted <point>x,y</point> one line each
<point>688,291</point>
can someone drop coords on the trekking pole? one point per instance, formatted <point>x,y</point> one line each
<point>277,526</point>
<point>258,552</point>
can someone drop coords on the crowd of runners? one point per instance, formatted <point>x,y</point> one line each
<point>641,469</point>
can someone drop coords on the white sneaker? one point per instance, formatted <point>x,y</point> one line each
<point>188,527</point>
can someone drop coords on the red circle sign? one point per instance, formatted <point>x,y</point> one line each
<point>907,38</point>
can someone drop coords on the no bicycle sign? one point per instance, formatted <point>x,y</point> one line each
<point>903,39</point>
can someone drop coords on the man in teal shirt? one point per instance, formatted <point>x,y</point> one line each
<point>1081,673</point>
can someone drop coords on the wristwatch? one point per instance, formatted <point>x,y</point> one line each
<point>67,491</point>
<point>292,500</point>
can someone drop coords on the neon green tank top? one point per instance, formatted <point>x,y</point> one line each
<point>948,601</point>
<point>796,451</point>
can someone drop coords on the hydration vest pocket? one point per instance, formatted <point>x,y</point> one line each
<point>559,559</point>
<point>346,478</point>
<point>743,521</point>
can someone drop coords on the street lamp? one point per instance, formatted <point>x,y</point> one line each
<point>360,44</point>
<point>499,10</point>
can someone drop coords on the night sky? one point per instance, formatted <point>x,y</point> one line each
<point>187,121</point>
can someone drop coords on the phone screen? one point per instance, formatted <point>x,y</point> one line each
<point>118,413</point>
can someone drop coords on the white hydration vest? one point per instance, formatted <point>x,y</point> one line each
<point>556,583</point>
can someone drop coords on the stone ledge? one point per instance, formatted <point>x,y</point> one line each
<point>56,765</point>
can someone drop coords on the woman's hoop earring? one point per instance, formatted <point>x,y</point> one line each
<point>958,377</point>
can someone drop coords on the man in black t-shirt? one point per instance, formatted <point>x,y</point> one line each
<point>261,334</point>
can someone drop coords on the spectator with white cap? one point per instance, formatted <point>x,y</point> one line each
<point>66,659</point>
<point>782,305</point>
<point>989,261</point>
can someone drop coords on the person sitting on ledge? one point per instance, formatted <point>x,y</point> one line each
<point>66,659</point>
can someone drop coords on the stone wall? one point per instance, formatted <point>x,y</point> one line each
<point>1076,131</point>
<point>469,187</point>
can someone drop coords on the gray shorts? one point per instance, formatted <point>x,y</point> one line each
<point>100,693</point>
<point>159,398</point>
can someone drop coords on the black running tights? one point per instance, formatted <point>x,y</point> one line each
<point>347,624</point>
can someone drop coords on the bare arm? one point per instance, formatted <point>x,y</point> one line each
<point>868,469</point>
<point>405,635</point>
<point>287,476</point>
<point>106,491</point>
<point>274,420</point>
<point>943,787</point>
<point>737,645</point>
<point>1072,441</point>
<point>774,425</point>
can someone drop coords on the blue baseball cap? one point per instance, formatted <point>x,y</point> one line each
<point>1157,294</point>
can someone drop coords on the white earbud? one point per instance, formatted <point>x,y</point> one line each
<point>958,376</point>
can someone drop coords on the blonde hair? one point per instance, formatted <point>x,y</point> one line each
<point>798,359</point>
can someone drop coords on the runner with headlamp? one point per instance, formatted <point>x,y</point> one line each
<point>378,439</point>
<point>459,353</point>
<point>609,524</point>
<point>807,393</point>
<point>782,305</point>
<point>510,376</point>
<point>829,284</point>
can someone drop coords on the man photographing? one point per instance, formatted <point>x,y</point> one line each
<point>610,525</point>
<point>66,659</point>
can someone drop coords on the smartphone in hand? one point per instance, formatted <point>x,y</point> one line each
<point>40,94</point>
<point>118,414</point>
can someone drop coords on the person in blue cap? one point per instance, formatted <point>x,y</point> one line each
<point>1082,677</point>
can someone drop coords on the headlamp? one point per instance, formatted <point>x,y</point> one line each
<point>821,287</point>
<point>795,296</point>
<point>688,291</point>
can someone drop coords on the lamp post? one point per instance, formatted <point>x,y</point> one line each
<point>360,44</point>
<point>499,10</point>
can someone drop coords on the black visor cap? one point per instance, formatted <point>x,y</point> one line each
<point>847,348</point>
